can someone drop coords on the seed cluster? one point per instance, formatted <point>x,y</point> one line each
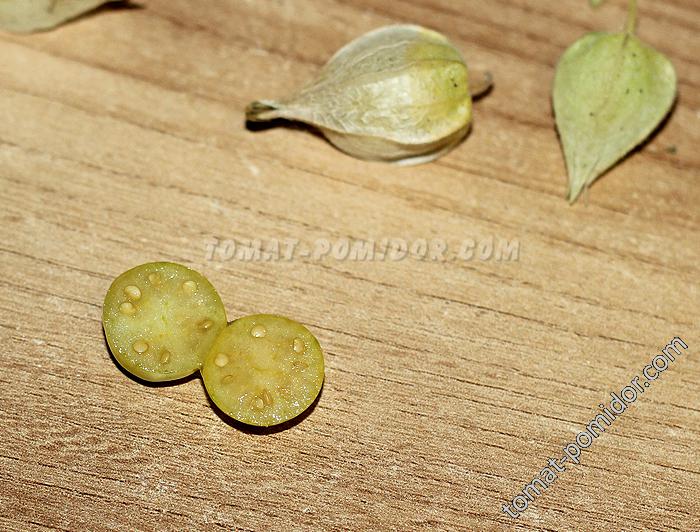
<point>263,400</point>
<point>129,308</point>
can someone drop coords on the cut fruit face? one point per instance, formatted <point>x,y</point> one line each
<point>264,370</point>
<point>161,319</point>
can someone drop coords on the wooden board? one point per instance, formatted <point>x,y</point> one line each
<point>449,383</point>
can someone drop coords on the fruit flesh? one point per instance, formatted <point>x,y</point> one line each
<point>161,319</point>
<point>264,370</point>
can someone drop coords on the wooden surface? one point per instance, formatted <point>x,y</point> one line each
<point>448,383</point>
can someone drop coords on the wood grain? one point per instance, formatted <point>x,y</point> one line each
<point>448,383</point>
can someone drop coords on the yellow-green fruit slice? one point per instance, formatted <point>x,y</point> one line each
<point>161,319</point>
<point>264,370</point>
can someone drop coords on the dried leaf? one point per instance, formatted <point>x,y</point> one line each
<point>26,16</point>
<point>399,93</point>
<point>610,92</point>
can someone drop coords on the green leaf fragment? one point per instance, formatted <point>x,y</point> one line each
<point>26,16</point>
<point>610,92</point>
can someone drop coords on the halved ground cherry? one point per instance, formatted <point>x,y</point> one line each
<point>161,320</point>
<point>264,369</point>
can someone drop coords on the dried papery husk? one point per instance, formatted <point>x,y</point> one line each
<point>26,16</point>
<point>398,93</point>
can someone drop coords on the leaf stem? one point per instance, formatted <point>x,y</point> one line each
<point>631,25</point>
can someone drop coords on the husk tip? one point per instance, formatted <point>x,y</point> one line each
<point>480,83</point>
<point>574,191</point>
<point>262,111</point>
